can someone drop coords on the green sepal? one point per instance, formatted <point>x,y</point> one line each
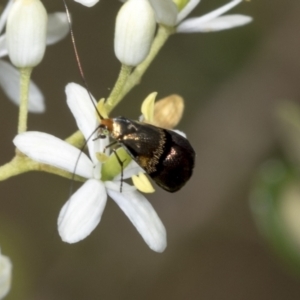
<point>181,4</point>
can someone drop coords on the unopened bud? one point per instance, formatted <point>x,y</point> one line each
<point>5,275</point>
<point>135,27</point>
<point>168,111</point>
<point>26,33</point>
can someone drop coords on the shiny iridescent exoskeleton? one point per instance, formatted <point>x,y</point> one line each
<point>166,156</point>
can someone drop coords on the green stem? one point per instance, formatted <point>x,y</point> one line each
<point>24,94</point>
<point>161,37</point>
<point>21,164</point>
<point>114,97</point>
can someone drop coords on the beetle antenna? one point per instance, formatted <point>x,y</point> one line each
<point>77,160</point>
<point>76,164</point>
<point>80,68</point>
<point>121,162</point>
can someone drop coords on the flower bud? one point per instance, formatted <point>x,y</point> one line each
<point>26,33</point>
<point>134,32</point>
<point>5,275</point>
<point>168,111</point>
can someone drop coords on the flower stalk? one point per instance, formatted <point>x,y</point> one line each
<point>24,94</point>
<point>114,97</point>
<point>22,164</point>
<point>135,77</point>
<point>127,81</point>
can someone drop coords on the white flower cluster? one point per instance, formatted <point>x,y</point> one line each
<point>168,14</point>
<point>82,212</point>
<point>28,30</point>
<point>134,33</point>
<point>135,24</point>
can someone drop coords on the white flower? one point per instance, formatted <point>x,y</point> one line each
<point>134,32</point>
<point>5,275</point>
<point>26,29</point>
<point>213,21</point>
<point>82,212</point>
<point>57,29</point>
<point>87,3</point>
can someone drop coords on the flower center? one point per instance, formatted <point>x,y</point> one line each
<point>112,167</point>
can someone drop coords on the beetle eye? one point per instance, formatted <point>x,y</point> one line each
<point>102,132</point>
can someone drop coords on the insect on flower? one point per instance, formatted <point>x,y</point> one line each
<point>166,156</point>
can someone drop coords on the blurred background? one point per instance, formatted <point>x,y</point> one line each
<point>232,82</point>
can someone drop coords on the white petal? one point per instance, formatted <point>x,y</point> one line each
<point>80,104</point>
<point>3,48</point>
<point>218,12</point>
<point>57,28</point>
<point>165,11</point>
<point>103,143</point>
<point>180,132</point>
<point>116,186</point>
<point>97,171</point>
<point>96,146</point>
<point>187,9</point>
<point>4,14</point>
<point>143,216</point>
<point>220,23</point>
<point>5,275</point>
<point>87,3</point>
<point>82,213</point>
<point>10,83</point>
<point>48,149</point>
